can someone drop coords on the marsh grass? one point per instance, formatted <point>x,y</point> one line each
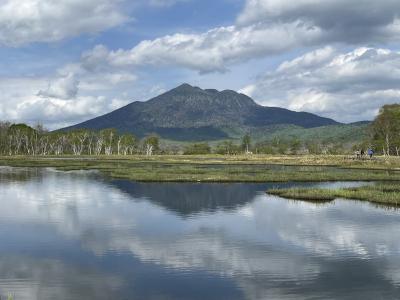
<point>381,193</point>
<point>215,168</point>
<point>218,168</point>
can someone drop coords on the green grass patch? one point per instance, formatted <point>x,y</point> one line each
<point>381,193</point>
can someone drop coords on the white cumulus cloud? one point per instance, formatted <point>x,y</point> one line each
<point>63,88</point>
<point>27,21</point>
<point>211,51</point>
<point>356,21</point>
<point>345,86</point>
<point>265,27</point>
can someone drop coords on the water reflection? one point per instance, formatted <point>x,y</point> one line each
<point>192,198</point>
<point>77,235</point>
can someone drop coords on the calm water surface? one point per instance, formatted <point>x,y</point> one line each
<point>76,235</point>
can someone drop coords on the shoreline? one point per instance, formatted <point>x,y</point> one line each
<point>242,169</point>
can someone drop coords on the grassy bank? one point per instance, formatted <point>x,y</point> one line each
<point>382,193</point>
<point>215,168</point>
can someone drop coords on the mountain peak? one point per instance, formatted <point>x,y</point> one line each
<point>204,100</point>
<point>185,87</point>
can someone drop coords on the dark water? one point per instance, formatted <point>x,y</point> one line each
<point>79,236</point>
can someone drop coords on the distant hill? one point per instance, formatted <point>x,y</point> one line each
<point>188,113</point>
<point>342,133</point>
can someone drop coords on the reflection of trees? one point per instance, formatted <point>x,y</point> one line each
<point>8,174</point>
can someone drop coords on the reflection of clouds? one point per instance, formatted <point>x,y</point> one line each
<point>62,199</point>
<point>392,272</point>
<point>270,246</point>
<point>29,278</point>
<point>210,251</point>
<point>309,227</point>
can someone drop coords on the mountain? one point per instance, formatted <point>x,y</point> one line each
<point>191,113</point>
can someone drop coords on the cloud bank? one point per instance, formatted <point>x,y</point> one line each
<point>347,86</point>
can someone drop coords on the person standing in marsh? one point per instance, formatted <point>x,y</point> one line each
<point>370,152</point>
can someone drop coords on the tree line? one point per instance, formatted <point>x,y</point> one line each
<point>21,139</point>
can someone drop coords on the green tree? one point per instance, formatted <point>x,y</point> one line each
<point>151,144</point>
<point>283,147</point>
<point>227,148</point>
<point>4,127</point>
<point>266,148</point>
<point>109,136</point>
<point>126,144</point>
<point>20,139</point>
<point>246,143</point>
<point>386,129</point>
<point>77,139</point>
<point>198,148</point>
<point>295,146</point>
<point>313,147</point>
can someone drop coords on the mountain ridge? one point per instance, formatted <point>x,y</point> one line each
<point>191,113</point>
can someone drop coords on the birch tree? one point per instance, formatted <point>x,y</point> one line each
<point>386,129</point>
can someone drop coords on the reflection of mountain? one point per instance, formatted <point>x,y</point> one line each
<point>191,198</point>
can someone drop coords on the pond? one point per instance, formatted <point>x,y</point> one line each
<point>78,235</point>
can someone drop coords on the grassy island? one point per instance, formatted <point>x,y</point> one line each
<point>381,193</point>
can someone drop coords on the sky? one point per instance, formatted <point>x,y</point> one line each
<point>66,61</point>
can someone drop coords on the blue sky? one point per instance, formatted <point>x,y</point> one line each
<point>65,61</point>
